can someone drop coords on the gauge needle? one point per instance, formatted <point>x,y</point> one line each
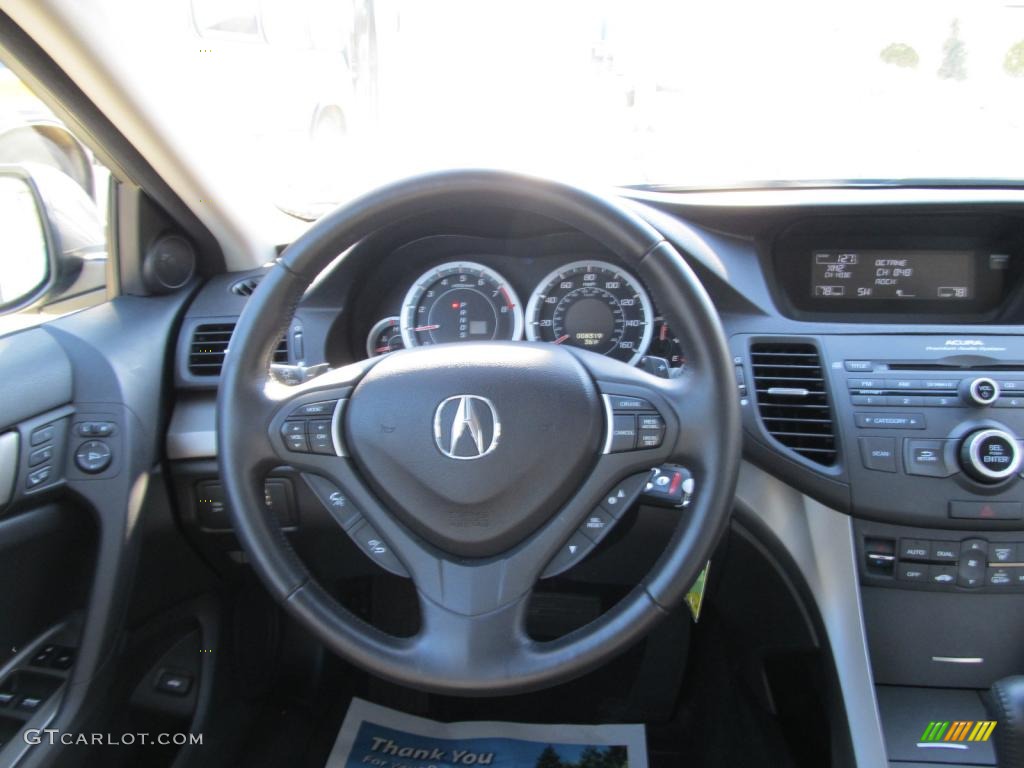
<point>383,349</point>
<point>560,339</point>
<point>425,328</point>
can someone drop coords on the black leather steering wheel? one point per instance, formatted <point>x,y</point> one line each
<point>475,536</point>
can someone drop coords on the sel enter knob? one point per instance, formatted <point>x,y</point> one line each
<point>990,455</point>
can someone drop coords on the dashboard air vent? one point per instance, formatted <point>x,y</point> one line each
<point>245,287</point>
<point>793,400</point>
<point>209,345</point>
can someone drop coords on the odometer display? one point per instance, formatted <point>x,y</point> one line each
<point>460,301</point>
<point>592,305</point>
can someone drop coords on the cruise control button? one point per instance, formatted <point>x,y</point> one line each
<point>93,456</point>
<point>574,550</point>
<point>629,403</point>
<point>651,430</point>
<point>1002,552</point>
<point>878,453</point>
<point>597,524</point>
<point>890,420</point>
<point>623,432</point>
<point>366,536</point>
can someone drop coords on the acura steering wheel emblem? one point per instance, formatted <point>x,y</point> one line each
<point>466,427</point>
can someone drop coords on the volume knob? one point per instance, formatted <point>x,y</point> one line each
<point>981,391</point>
<point>990,455</point>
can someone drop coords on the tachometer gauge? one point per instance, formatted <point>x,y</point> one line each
<point>592,305</point>
<point>384,337</point>
<point>460,301</point>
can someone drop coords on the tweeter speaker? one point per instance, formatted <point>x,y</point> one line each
<point>169,264</point>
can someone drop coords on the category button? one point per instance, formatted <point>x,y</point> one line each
<point>890,420</point>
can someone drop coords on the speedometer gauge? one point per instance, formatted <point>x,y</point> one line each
<point>460,301</point>
<point>592,305</point>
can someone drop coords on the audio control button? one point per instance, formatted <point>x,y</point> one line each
<point>990,455</point>
<point>981,391</point>
<point>926,458</point>
<point>878,453</point>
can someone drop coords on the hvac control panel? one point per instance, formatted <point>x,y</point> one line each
<point>932,428</point>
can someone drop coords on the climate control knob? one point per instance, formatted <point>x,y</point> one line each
<point>990,455</point>
<point>980,391</point>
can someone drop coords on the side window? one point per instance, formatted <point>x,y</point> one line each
<point>53,217</point>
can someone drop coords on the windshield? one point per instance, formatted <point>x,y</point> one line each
<point>313,101</point>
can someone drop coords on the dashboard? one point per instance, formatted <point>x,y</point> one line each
<point>555,288</point>
<point>878,344</point>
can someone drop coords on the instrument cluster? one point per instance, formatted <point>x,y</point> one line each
<point>590,304</point>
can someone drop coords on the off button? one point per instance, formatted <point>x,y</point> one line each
<point>93,456</point>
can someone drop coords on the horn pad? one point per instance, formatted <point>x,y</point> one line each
<point>475,445</point>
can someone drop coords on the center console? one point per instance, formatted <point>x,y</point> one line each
<point>920,438</point>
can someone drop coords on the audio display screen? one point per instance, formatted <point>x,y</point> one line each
<point>898,275</point>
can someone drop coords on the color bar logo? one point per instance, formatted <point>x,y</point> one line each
<point>946,734</point>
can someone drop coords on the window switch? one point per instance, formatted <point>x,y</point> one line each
<point>174,683</point>
<point>29,704</point>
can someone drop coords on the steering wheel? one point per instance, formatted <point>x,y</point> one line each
<point>475,526</point>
